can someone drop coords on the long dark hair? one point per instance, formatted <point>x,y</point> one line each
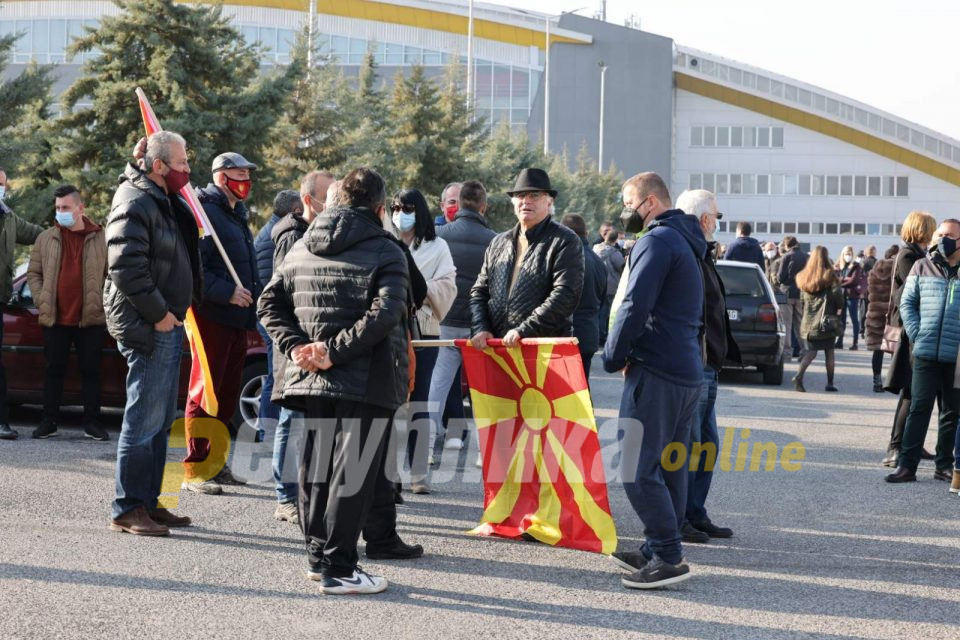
<point>423,229</point>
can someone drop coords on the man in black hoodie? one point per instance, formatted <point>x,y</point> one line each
<point>745,248</point>
<point>345,344</point>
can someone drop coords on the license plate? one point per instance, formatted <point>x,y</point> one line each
<point>733,315</point>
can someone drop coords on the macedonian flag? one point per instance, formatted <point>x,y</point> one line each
<point>542,467</point>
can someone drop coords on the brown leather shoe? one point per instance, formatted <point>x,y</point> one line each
<point>138,523</point>
<point>955,484</point>
<point>902,474</point>
<point>164,516</point>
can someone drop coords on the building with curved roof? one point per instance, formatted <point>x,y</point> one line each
<point>785,155</point>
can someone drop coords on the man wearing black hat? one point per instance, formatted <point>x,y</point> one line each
<point>227,311</point>
<point>532,275</point>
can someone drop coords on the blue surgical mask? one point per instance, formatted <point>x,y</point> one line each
<point>65,218</point>
<point>404,221</point>
<point>3,191</point>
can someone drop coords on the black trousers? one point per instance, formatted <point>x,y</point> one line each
<point>4,410</point>
<point>341,466</point>
<point>88,342</point>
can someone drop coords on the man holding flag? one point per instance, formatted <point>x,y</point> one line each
<point>226,314</point>
<point>154,274</point>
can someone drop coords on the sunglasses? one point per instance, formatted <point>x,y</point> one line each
<point>406,208</point>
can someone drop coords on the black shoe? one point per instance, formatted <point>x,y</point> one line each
<point>6,433</point>
<point>798,384</point>
<point>838,344</point>
<point>877,384</point>
<point>47,429</point>
<point>629,561</point>
<point>399,550</point>
<point>796,355</point>
<point>891,459</point>
<point>831,388</point>
<point>854,347</point>
<point>943,474</point>
<point>713,530</point>
<point>94,431</point>
<point>657,574</point>
<point>926,455</point>
<point>902,474</point>
<point>690,534</point>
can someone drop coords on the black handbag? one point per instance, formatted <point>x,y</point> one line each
<point>828,326</point>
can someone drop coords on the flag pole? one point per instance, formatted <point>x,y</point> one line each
<point>493,342</point>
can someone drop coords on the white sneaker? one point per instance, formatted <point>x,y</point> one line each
<point>207,487</point>
<point>421,487</point>
<point>287,511</point>
<point>453,443</point>
<point>431,460</point>
<point>479,461</point>
<point>358,582</point>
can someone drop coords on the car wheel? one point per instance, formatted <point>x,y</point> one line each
<point>248,406</point>
<point>772,374</point>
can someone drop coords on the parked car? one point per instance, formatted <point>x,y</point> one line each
<point>754,311</point>
<point>25,364</point>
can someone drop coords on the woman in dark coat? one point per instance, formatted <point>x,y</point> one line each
<point>917,233</point>
<point>822,299</point>
<point>879,282</point>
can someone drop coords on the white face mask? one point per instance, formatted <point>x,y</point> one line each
<point>847,258</point>
<point>770,254</point>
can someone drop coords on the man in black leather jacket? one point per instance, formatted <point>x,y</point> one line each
<point>154,275</point>
<point>532,276</point>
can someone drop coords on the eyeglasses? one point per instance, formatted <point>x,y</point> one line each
<point>529,195</point>
<point>719,216</point>
<point>406,208</point>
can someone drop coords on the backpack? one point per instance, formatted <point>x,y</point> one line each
<point>860,285</point>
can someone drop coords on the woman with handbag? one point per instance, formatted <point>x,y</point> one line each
<point>822,304</point>
<point>853,282</point>
<point>879,282</point>
<point>917,234</point>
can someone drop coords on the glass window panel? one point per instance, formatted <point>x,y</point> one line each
<point>776,139</point>
<point>723,136</point>
<point>830,228</point>
<point>803,227</point>
<point>763,136</point>
<point>790,92</point>
<point>776,88</point>
<point>395,57</point>
<point>789,227</point>
<point>833,107</point>
<point>846,185</point>
<point>804,188</point>
<point>285,42</point>
<point>820,102</point>
<point>776,184</point>
<point>708,181</point>
<point>519,116</point>
<point>889,127</point>
<point>749,184</point>
<point>806,98</point>
<point>749,79</point>
<point>736,75</point>
<point>25,43</point>
<point>432,57</point>
<point>888,230</point>
<point>721,183</point>
<point>873,185</point>
<point>521,84</point>
<point>945,150</point>
<point>845,227</point>
<point>846,111</point>
<point>763,184</point>
<point>860,186</point>
<point>833,185</point>
<point>916,138</point>
<point>412,55</point>
<point>763,84</point>
<point>898,229</point>
<point>860,115</point>
<point>483,81</point>
<point>859,228</point>
<point>380,53</point>
<point>873,229</point>
<point>268,36</point>
<point>749,136</point>
<point>695,181</point>
<point>340,46</point>
<point>736,136</point>
<point>709,136</point>
<point>816,185</point>
<point>722,226</point>
<point>499,115</point>
<point>790,185</point>
<point>903,132</point>
<point>889,185</point>
<point>58,35</point>
<point>761,227</point>
<point>736,184</point>
<point>930,143</point>
<point>874,122</point>
<point>902,190</point>
<point>776,227</point>
<point>723,72</point>
<point>696,136</point>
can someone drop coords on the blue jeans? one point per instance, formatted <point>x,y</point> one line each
<point>285,473</point>
<point>703,430</point>
<point>418,424</point>
<point>268,410</point>
<point>446,379</point>
<point>152,385</point>
<point>658,496</point>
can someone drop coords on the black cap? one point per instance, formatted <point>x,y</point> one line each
<point>231,160</point>
<point>532,180</point>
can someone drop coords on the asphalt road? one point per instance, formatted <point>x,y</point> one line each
<point>827,551</point>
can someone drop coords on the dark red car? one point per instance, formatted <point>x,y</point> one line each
<point>25,364</point>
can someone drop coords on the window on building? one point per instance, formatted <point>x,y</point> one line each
<point>763,184</point>
<point>695,182</point>
<point>789,227</point>
<point>749,137</point>
<point>723,136</point>
<point>776,184</point>
<point>846,185</point>
<point>902,190</point>
<point>816,185</point>
<point>776,228</point>
<point>749,184</point>
<point>888,229</point>
<point>412,55</point>
<point>777,138</point>
<point>736,136</point>
<point>696,136</point>
<point>709,136</point>
<point>804,189</point>
<point>859,228</point>
<point>873,186</point>
<point>736,184</point>
<point>721,183</point>
<point>803,227</point>
<point>845,228</point>
<point>860,186</point>
<point>761,227</point>
<point>873,229</point>
<point>722,226</point>
<point>816,228</point>
<point>790,185</point>
<point>889,186</point>
<point>394,56</point>
<point>833,185</point>
<point>708,181</point>
<point>898,229</point>
<point>763,136</point>
<point>830,228</point>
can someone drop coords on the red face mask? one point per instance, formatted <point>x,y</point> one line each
<point>176,180</point>
<point>450,211</point>
<point>239,188</point>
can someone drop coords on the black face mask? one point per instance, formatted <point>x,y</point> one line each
<point>632,220</point>
<point>947,246</point>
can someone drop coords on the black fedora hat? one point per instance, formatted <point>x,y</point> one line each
<point>532,180</point>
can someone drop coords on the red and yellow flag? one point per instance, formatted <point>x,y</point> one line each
<point>201,382</point>
<point>542,467</point>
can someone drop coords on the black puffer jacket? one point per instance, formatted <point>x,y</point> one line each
<point>152,255</point>
<point>468,237</point>
<point>548,287</point>
<point>263,247</point>
<point>902,265</point>
<point>349,280</point>
<point>586,319</point>
<point>284,235</point>
<point>231,227</point>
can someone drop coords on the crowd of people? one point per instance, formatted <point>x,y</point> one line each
<point>342,278</point>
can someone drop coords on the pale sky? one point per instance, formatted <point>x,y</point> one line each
<point>895,55</point>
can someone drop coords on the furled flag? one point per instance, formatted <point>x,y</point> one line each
<point>542,467</point>
<point>201,382</point>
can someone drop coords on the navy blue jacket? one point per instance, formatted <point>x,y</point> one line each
<point>231,227</point>
<point>467,236</point>
<point>263,246</point>
<point>658,325</point>
<point>586,319</point>
<point>745,250</point>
